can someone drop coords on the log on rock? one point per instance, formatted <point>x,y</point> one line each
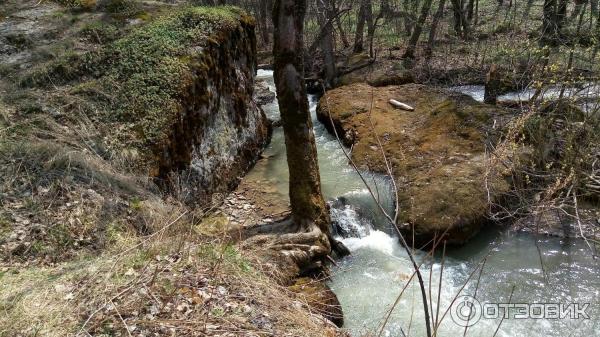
<point>401,105</point>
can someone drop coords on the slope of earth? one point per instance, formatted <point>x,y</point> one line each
<point>122,124</point>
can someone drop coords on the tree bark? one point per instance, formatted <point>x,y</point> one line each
<point>371,25</point>
<point>408,19</point>
<point>409,53</point>
<point>554,14</point>
<point>579,5</point>
<point>307,204</point>
<point>548,22</point>
<point>470,10</point>
<point>433,30</point>
<point>461,25</point>
<point>561,14</point>
<point>324,18</point>
<point>338,23</point>
<point>262,21</point>
<point>360,26</point>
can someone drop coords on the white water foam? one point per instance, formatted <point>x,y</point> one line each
<point>376,240</point>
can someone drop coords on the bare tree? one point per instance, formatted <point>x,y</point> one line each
<point>470,10</point>
<point>554,14</point>
<point>325,17</point>
<point>364,12</point>
<point>309,213</point>
<point>461,24</point>
<point>433,30</point>
<point>338,23</point>
<point>409,53</point>
<point>263,24</point>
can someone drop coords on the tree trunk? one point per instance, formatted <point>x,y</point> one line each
<point>492,85</point>
<point>409,53</point>
<point>549,22</point>
<point>561,14</point>
<point>554,14</point>
<point>308,206</point>
<point>371,22</point>
<point>433,30</point>
<point>579,5</point>
<point>470,10</point>
<point>338,23</point>
<point>323,16</point>
<point>262,21</point>
<point>360,26</point>
<point>408,18</point>
<point>461,25</point>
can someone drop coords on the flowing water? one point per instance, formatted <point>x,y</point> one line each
<point>586,95</point>
<point>539,270</point>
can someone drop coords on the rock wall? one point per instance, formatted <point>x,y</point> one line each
<point>221,131</point>
<point>172,98</point>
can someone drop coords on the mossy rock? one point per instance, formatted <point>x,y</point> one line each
<point>436,153</point>
<point>140,84</point>
<point>378,76</point>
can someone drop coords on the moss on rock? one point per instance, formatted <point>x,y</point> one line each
<point>436,152</point>
<point>154,91</point>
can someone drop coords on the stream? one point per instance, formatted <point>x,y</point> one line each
<point>368,281</point>
<point>586,95</point>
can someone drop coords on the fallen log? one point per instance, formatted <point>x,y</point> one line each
<point>401,105</point>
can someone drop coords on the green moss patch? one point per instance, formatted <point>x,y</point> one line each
<point>436,152</point>
<point>134,87</point>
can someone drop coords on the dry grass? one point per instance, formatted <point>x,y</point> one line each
<point>172,281</point>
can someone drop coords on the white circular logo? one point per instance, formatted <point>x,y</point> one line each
<point>466,311</point>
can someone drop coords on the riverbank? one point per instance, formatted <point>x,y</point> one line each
<point>121,128</point>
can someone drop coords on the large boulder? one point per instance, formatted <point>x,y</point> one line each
<point>445,180</point>
<point>181,105</point>
<point>359,68</point>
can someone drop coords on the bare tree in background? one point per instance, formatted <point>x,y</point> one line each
<point>461,24</point>
<point>264,6</point>
<point>325,17</point>
<point>364,13</point>
<point>433,30</point>
<point>409,53</point>
<point>554,13</point>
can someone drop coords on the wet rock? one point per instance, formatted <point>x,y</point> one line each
<point>320,298</point>
<point>379,76</point>
<point>445,181</point>
<point>262,93</point>
<point>339,248</point>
